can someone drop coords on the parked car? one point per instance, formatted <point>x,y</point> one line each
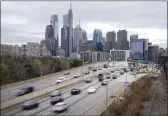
<point>59,107</point>
<point>91,90</point>
<point>55,93</point>
<point>88,80</point>
<point>25,90</point>
<point>28,105</point>
<point>67,73</point>
<point>75,91</point>
<point>104,82</point>
<point>95,69</point>
<point>121,72</point>
<point>60,80</point>
<point>56,100</point>
<point>114,76</point>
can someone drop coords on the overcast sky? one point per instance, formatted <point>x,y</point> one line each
<point>23,22</point>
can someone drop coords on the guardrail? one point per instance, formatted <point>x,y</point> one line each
<point>44,91</point>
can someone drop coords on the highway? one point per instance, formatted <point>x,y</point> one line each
<point>79,104</point>
<point>9,93</point>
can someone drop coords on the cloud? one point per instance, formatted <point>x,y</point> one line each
<point>26,21</point>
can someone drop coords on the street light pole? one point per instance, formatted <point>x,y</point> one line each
<point>106,95</point>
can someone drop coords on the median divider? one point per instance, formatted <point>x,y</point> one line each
<point>41,92</point>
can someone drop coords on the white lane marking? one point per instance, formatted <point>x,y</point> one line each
<point>46,113</point>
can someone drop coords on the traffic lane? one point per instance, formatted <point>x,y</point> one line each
<point>73,102</point>
<point>11,93</point>
<point>98,107</point>
<point>46,104</point>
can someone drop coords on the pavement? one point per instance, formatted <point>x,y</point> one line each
<point>83,103</point>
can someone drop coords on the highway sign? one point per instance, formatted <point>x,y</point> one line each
<point>126,83</point>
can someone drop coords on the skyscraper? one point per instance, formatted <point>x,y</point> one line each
<point>78,37</point>
<point>49,32</point>
<point>122,43</point>
<point>68,22</point>
<point>110,40</point>
<point>84,36</point>
<point>97,40</point>
<point>65,40</point>
<point>54,23</point>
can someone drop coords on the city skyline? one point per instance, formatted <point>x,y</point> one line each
<point>20,27</point>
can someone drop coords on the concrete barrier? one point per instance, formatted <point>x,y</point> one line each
<point>41,92</point>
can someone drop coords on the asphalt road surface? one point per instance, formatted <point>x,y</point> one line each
<point>79,104</point>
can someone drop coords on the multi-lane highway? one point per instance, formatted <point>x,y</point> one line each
<point>83,103</point>
<point>9,93</point>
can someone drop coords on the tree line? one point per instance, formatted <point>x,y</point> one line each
<point>15,69</point>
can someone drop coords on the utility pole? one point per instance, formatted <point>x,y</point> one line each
<point>106,95</point>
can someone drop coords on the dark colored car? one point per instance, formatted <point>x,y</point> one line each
<point>56,100</point>
<point>108,77</point>
<point>112,71</point>
<point>94,69</point>
<point>88,80</point>
<point>67,73</point>
<point>87,72</point>
<point>100,77</point>
<point>55,94</point>
<point>114,76</point>
<point>105,66</point>
<point>122,72</point>
<point>75,91</point>
<point>25,90</point>
<point>28,105</point>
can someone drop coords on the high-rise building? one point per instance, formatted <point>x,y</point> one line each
<point>49,32</point>
<point>133,37</point>
<point>65,40</point>
<point>55,26</point>
<point>139,49</point>
<point>122,42</point>
<point>110,41</point>
<point>78,37</point>
<point>153,51</point>
<point>84,36</point>
<point>97,40</point>
<point>68,22</point>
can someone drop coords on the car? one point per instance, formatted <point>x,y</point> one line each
<point>89,67</point>
<point>91,90</point>
<point>25,90</point>
<point>28,105</point>
<point>94,69</point>
<point>60,79</point>
<point>104,82</point>
<point>59,107</point>
<point>108,77</point>
<point>56,100</point>
<point>121,72</point>
<point>87,72</point>
<point>75,91</point>
<point>118,69</point>
<point>112,71</point>
<point>99,68</point>
<point>107,73</point>
<point>105,66</point>
<point>77,75</point>
<point>88,80</point>
<point>67,73</point>
<point>55,93</point>
<point>114,76</point>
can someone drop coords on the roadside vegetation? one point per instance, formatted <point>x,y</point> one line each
<point>15,69</point>
<point>132,100</point>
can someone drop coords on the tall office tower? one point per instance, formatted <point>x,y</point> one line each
<point>68,22</point>
<point>97,40</point>
<point>78,37</point>
<point>122,42</point>
<point>65,40</point>
<point>55,26</point>
<point>110,40</point>
<point>132,38</point>
<point>84,36</point>
<point>49,32</point>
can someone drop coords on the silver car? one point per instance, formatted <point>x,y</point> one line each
<point>59,107</point>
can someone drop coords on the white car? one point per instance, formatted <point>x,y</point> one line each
<point>77,75</point>
<point>60,79</point>
<point>61,106</point>
<point>55,93</point>
<point>91,90</point>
